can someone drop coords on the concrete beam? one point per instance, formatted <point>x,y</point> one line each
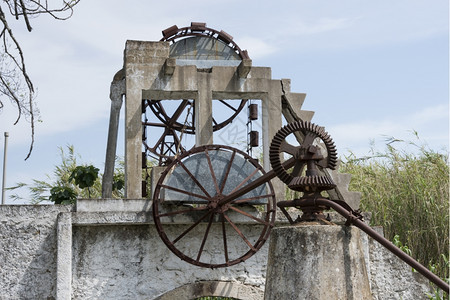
<point>244,68</point>
<point>169,66</point>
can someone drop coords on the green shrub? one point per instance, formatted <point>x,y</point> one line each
<point>408,194</point>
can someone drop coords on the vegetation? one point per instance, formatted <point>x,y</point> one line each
<point>70,181</point>
<point>407,193</point>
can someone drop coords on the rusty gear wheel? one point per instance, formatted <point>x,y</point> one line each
<point>308,155</point>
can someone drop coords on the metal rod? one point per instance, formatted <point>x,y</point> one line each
<point>254,184</point>
<point>383,241</point>
<point>4,167</point>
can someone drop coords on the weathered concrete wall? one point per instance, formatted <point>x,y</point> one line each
<point>28,251</point>
<point>131,262</point>
<point>316,262</point>
<point>118,255</point>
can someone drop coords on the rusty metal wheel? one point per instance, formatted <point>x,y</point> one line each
<point>305,175</point>
<point>228,108</point>
<point>195,218</point>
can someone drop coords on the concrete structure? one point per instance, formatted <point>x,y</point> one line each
<point>110,248</point>
<point>316,262</point>
<point>62,252</point>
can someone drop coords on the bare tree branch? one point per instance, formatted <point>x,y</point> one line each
<point>15,84</point>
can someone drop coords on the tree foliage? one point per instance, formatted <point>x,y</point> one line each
<point>68,176</point>
<point>15,83</point>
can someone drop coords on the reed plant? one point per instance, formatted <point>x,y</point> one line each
<point>407,192</point>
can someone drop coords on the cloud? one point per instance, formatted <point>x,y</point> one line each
<point>431,123</point>
<point>259,48</point>
<point>431,114</point>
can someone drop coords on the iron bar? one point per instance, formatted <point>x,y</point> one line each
<point>353,218</point>
<point>254,184</point>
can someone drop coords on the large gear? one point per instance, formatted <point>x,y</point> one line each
<point>308,155</point>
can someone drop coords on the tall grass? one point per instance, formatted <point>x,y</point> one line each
<point>408,194</point>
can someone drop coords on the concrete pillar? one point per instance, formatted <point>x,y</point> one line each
<point>271,123</point>
<point>64,256</point>
<point>203,111</point>
<point>117,91</point>
<point>143,62</point>
<point>316,262</point>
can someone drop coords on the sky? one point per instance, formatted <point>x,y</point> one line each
<point>370,69</point>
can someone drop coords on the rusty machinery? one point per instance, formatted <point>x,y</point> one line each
<point>182,119</point>
<point>202,208</point>
<point>218,185</point>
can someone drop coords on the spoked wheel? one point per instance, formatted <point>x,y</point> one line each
<point>177,121</point>
<point>177,117</point>
<point>195,219</point>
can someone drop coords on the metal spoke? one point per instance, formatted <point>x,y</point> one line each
<point>240,233</point>
<point>309,139</point>
<point>194,179</point>
<point>172,213</point>
<point>212,172</point>
<point>244,200</point>
<point>184,192</point>
<point>249,215</point>
<point>288,148</point>
<point>227,171</point>
<point>228,105</point>
<point>205,237</point>
<point>191,227</point>
<point>224,234</point>
<point>298,169</point>
<point>245,180</point>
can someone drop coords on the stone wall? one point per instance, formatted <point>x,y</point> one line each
<point>119,255</point>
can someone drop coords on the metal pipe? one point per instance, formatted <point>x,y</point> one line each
<point>351,217</point>
<point>4,168</point>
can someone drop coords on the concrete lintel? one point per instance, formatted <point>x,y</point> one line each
<point>169,95</point>
<point>111,218</point>
<point>227,79</point>
<point>224,95</point>
<point>119,205</point>
<point>244,68</point>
